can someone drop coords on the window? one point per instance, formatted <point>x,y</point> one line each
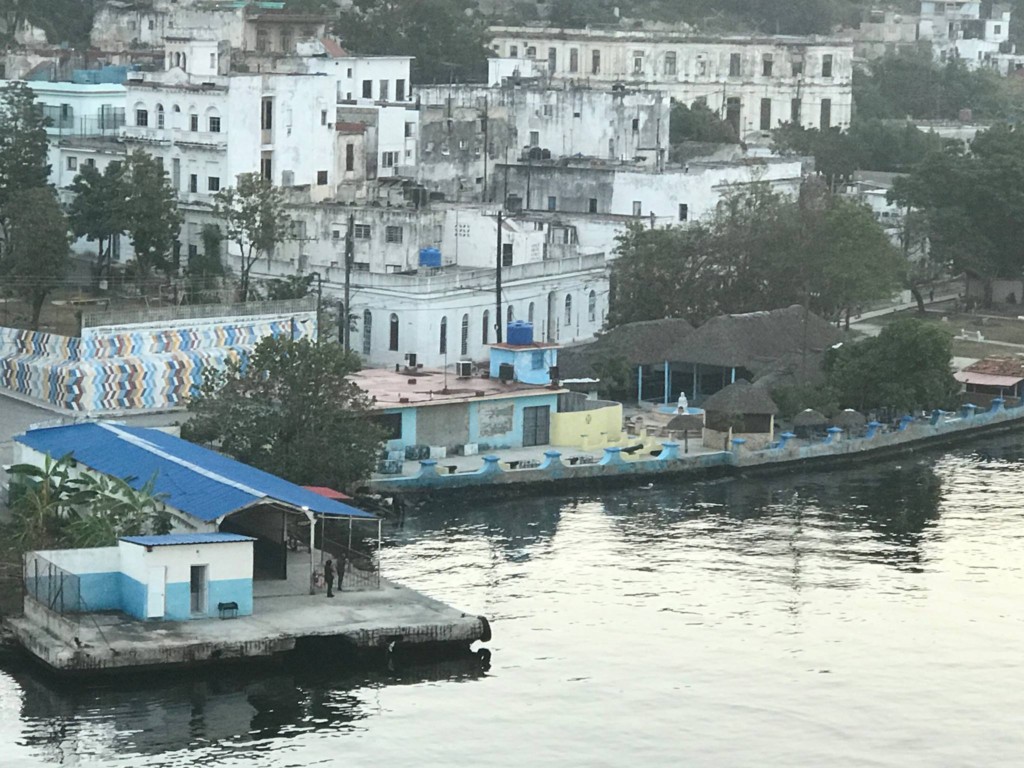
<point>193,122</point>
<point>997,29</point>
<point>595,63</point>
<point>159,115</point>
<point>734,65</point>
<point>286,38</point>
<point>531,52</point>
<point>670,63</point>
<point>636,125</point>
<point>392,234</point>
<point>367,89</point>
<point>384,88</point>
<point>367,332</point>
<point>388,159</point>
<point>529,313</point>
<point>766,114</point>
<point>442,347</point>
<point>393,333</point>
<point>506,254</point>
<point>323,117</point>
<point>684,212</point>
<point>513,51</point>
<point>592,306</point>
<point>350,157</point>
<point>767,62</point>
<point>574,60</point>
<point>568,309</point>
<point>213,124</point>
<point>592,205</point>
<point>390,424</point>
<point>90,162</point>
<point>141,118</point>
<point>321,178</point>
<point>409,129</point>
<point>510,315</point>
<point>72,163</point>
<point>267,114</point>
<point>552,59</point>
<point>361,232</point>
<point>638,208</point>
<point>193,182</point>
<point>797,67</point>
<point>400,90</point>
<point>267,166</point>
<point>825,121</point>
<point>464,346</point>
<point>826,65</point>
<point>794,111</point>
<point>702,65</point>
<point>534,138</point>
<point>537,360</point>
<point>638,62</point>
<point>552,203</point>
<point>213,183</point>
<point>485,329</point>
<point>548,110</point>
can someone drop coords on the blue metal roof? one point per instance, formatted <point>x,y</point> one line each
<point>196,480</point>
<point>173,539</point>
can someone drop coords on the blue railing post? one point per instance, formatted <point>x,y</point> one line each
<point>784,438</point>
<point>833,434</point>
<point>872,429</point>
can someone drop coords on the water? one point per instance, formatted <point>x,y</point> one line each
<point>870,617</point>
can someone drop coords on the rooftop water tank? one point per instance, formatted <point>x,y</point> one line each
<point>520,333</point>
<point>430,257</point>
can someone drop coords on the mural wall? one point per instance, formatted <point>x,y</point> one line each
<point>132,368</point>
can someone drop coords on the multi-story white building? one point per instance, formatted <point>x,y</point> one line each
<point>470,128</point>
<point>969,30</point>
<point>756,83</point>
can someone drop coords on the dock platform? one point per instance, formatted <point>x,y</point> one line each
<point>359,620</point>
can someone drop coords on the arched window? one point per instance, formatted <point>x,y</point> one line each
<point>568,309</point>
<point>529,313</point>
<point>465,335</point>
<point>592,306</point>
<point>485,328</point>
<point>511,314</point>
<point>393,333</point>
<point>159,115</point>
<point>212,120</point>
<point>443,346</point>
<point>367,332</point>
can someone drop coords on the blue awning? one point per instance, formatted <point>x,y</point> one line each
<point>195,480</point>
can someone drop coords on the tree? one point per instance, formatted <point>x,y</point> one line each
<point>153,221</point>
<point>906,368</point>
<point>255,220</point>
<point>38,245</point>
<point>61,20</point>
<point>23,146</point>
<point>447,38</point>
<point>290,409</point>
<point>100,208</point>
<point>699,123</point>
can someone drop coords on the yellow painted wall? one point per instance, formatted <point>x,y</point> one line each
<point>588,430</point>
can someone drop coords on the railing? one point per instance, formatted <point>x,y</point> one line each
<point>196,311</point>
<point>362,569</point>
<point>51,586</point>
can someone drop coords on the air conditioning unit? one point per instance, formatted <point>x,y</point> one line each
<point>464,369</point>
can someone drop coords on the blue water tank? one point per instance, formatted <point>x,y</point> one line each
<point>520,333</point>
<point>430,257</point>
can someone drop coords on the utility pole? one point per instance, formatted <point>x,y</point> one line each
<point>497,285</point>
<point>346,310</point>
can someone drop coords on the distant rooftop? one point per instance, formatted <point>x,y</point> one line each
<point>405,389</point>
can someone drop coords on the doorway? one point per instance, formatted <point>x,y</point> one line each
<point>732,114</point>
<point>198,588</point>
<point>536,425</point>
<point>156,591</point>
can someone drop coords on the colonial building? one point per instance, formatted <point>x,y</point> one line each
<point>756,83</point>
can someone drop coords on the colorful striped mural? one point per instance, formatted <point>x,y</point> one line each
<point>132,370</point>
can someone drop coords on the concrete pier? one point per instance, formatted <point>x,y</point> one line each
<point>363,620</point>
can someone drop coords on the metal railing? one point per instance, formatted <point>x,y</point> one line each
<point>51,586</point>
<point>362,569</point>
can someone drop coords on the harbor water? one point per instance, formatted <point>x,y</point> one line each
<point>867,617</point>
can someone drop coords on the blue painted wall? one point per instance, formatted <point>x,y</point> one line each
<point>178,598</point>
<point>531,366</point>
<point>100,591</point>
<point>133,597</point>
<point>514,437</point>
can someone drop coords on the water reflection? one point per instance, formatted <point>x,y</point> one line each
<point>214,711</point>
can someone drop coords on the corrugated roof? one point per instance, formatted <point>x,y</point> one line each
<point>176,539</point>
<point>196,480</point>
<point>986,379</point>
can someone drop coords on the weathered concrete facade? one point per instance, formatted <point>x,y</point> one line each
<point>756,83</point>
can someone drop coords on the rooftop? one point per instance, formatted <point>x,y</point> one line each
<point>192,479</point>
<point>402,389</point>
<point>180,539</point>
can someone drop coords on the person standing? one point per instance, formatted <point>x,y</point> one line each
<point>329,577</point>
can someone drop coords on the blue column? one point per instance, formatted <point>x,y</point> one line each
<point>696,380</point>
<point>732,376</point>
<point>639,384</point>
<point>667,382</point>
<point>784,438</point>
<point>872,429</point>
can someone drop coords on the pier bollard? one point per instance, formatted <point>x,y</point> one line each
<point>936,415</point>
<point>491,466</point>
<point>833,434</point>
<point>428,468</point>
<point>967,410</point>
<point>784,438</point>
<point>738,443</point>
<point>669,450</point>
<point>904,423</point>
<point>552,459</point>
<point>997,404</point>
<point>872,429</point>
<point>612,455</point>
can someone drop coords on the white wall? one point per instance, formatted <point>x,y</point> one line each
<point>226,560</point>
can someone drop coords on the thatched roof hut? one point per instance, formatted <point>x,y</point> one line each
<point>642,343</point>
<point>742,407</point>
<point>850,420</point>
<point>809,423</point>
